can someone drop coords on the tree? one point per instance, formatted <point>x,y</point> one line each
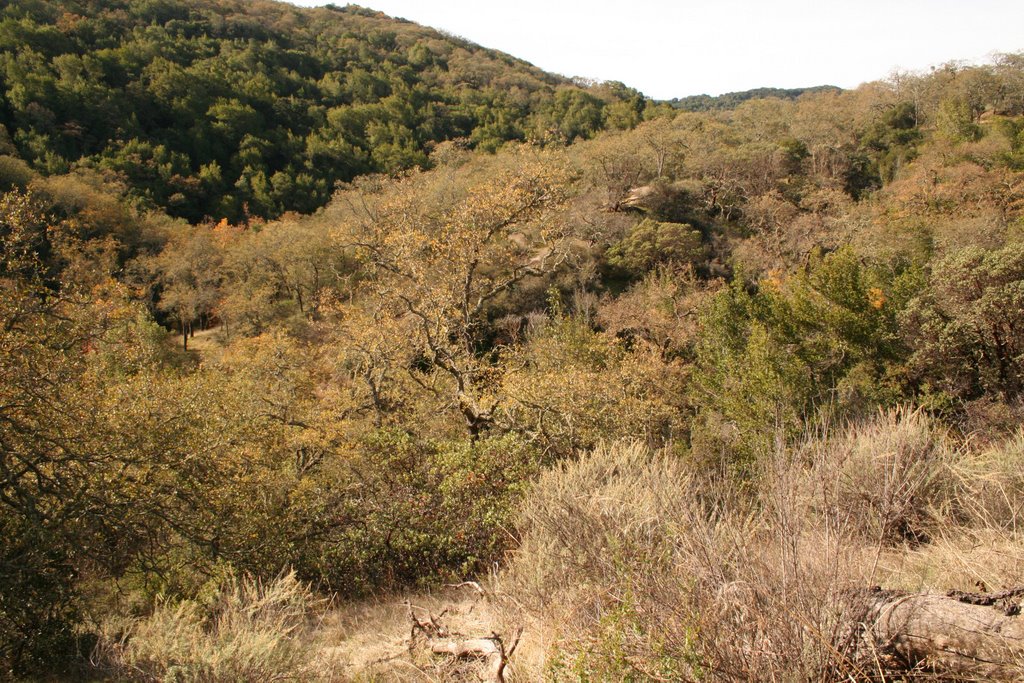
<point>437,263</point>
<point>159,90</point>
<point>576,387</point>
<point>70,356</point>
<point>573,113</point>
<point>965,326</point>
<point>188,273</point>
<point>888,144</point>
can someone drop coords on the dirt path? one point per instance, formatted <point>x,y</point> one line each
<point>371,640</point>
<point>207,345</point>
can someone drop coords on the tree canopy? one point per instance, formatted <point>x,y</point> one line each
<point>231,108</point>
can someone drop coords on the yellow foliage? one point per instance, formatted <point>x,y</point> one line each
<point>876,298</point>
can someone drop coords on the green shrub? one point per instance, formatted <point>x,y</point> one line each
<point>965,327</point>
<point>404,511</point>
<point>39,602</point>
<point>651,243</point>
<point>771,357</point>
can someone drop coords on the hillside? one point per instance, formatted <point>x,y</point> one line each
<point>231,108</point>
<point>731,100</point>
<point>713,395</point>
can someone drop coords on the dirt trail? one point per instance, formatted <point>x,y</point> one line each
<point>207,345</point>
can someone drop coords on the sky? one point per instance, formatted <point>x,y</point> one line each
<point>672,49</point>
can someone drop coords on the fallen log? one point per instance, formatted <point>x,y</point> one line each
<point>635,199</point>
<point>491,650</point>
<point>977,636</point>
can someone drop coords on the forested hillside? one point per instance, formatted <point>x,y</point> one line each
<point>219,109</point>
<point>677,393</point>
<point>731,100</point>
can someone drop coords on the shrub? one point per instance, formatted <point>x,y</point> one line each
<point>578,387</point>
<point>14,173</point>
<point>403,510</point>
<point>637,568</point>
<point>39,604</point>
<point>823,340</point>
<point>651,243</point>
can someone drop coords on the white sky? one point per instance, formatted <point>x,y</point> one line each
<point>672,49</point>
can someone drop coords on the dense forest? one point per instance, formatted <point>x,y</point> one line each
<point>212,109</point>
<point>301,310</point>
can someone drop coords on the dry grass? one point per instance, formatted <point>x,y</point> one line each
<point>991,485</point>
<point>280,631</point>
<point>207,345</point>
<point>632,568</point>
<point>252,631</point>
<point>888,480</point>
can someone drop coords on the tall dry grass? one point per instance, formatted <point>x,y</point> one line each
<point>632,567</point>
<point>251,631</point>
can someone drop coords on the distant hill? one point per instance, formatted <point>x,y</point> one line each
<point>231,108</point>
<point>733,99</point>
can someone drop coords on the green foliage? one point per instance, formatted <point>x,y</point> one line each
<point>733,99</point>
<point>284,102</point>
<point>1013,130</point>
<point>652,243</point>
<point>769,359</point>
<point>579,388</point>
<point>955,120</point>
<point>964,326</point>
<point>39,602</point>
<point>404,510</point>
<point>888,144</point>
<point>572,114</point>
<point>609,652</point>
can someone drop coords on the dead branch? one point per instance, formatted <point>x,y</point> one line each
<point>440,641</point>
<point>477,588</point>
